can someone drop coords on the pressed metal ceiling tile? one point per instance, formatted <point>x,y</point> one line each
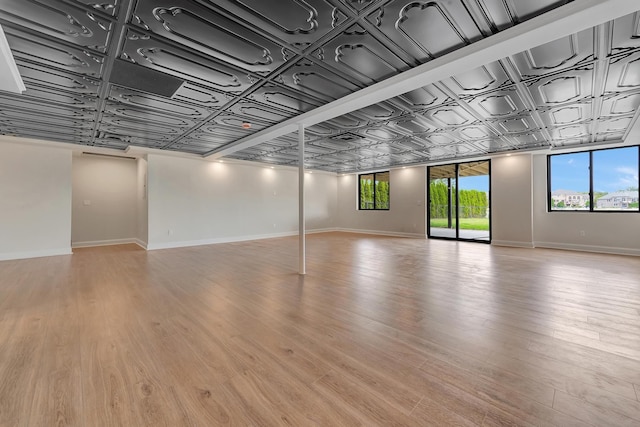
<point>425,97</point>
<point>265,61</point>
<point>449,116</point>
<point>196,24</point>
<point>110,7</point>
<point>233,124</point>
<point>516,125</point>
<point>52,54</point>
<point>381,133</point>
<point>361,56</point>
<point>426,30</point>
<point>161,105</point>
<point>626,33</point>
<point>314,80</point>
<point>567,115</point>
<point>35,75</point>
<point>624,73</point>
<point>282,98</point>
<point>121,124</point>
<point>297,23</point>
<point>615,125</point>
<point>567,52</point>
<point>255,113</point>
<point>530,139</point>
<point>474,132</point>
<point>503,14</point>
<point>479,80</point>
<point>10,104</point>
<point>168,58</point>
<point>411,125</point>
<point>569,87</point>
<point>60,20</point>
<point>62,98</point>
<point>146,117</point>
<point>203,97</point>
<point>378,112</point>
<point>622,104</point>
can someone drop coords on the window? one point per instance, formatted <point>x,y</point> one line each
<point>594,181</point>
<point>373,191</point>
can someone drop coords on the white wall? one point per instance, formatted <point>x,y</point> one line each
<point>142,229</point>
<point>511,200</point>
<point>195,202</point>
<point>406,215</point>
<point>104,200</point>
<point>35,201</point>
<point>602,231</point>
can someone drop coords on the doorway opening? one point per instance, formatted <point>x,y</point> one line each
<point>460,202</point>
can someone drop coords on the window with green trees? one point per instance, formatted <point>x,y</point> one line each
<point>373,191</point>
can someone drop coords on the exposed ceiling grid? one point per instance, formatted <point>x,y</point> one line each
<point>266,61</point>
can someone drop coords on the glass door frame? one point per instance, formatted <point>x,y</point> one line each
<point>450,214</point>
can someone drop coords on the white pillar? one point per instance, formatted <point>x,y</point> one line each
<point>301,223</point>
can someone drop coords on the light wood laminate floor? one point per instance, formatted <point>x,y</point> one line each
<point>381,331</point>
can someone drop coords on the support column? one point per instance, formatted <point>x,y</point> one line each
<point>301,221</point>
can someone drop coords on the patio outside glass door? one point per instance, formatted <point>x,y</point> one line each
<point>459,202</point>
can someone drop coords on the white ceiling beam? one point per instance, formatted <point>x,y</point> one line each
<point>565,20</point>
<point>10,79</point>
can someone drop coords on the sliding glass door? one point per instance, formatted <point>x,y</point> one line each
<point>459,202</point>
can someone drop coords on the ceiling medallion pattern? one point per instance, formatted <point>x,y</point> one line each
<point>265,61</point>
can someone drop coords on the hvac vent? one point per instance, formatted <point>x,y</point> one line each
<point>134,76</point>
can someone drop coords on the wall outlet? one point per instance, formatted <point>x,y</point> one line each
<point>582,233</point>
<point>169,232</point>
<point>86,202</point>
<point>274,225</point>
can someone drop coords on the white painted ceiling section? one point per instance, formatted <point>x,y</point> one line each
<point>10,79</point>
<point>563,21</point>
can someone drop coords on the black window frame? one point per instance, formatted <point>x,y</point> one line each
<point>374,208</point>
<point>591,192</point>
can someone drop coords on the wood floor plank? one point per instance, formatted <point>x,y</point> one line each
<point>381,331</point>
<point>595,415</point>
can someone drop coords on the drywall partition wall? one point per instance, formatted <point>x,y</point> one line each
<point>612,232</point>
<point>406,215</point>
<point>511,201</point>
<point>35,201</point>
<point>142,228</point>
<point>104,200</point>
<point>194,202</point>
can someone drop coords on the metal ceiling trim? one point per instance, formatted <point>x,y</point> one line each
<point>119,31</point>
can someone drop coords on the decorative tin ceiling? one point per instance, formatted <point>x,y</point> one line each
<point>265,61</point>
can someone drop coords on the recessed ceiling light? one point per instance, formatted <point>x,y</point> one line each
<point>246,125</point>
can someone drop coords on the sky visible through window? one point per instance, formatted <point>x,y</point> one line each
<point>480,183</point>
<point>613,170</point>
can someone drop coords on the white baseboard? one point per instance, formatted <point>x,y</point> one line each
<point>140,243</point>
<point>109,242</point>
<point>321,230</point>
<point>187,243</point>
<point>513,244</point>
<point>588,248</point>
<point>383,233</point>
<point>34,254</point>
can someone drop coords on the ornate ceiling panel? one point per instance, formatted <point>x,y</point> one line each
<point>262,62</point>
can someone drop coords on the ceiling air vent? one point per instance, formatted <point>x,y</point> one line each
<point>134,76</point>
